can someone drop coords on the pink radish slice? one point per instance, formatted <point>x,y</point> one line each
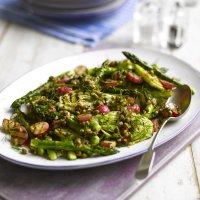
<point>134,108</point>
<point>166,84</point>
<point>108,144</point>
<point>39,128</point>
<point>84,117</point>
<point>65,79</point>
<point>64,89</point>
<point>19,135</point>
<point>134,78</point>
<point>103,109</point>
<point>110,83</point>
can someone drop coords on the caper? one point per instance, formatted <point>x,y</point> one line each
<point>121,123</point>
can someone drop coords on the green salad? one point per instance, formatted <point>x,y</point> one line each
<point>91,112</point>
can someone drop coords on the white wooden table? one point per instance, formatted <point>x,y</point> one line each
<point>23,49</point>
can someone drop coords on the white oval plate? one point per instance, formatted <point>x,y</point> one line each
<point>30,81</point>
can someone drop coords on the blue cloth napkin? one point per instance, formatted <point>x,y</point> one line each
<point>87,32</point>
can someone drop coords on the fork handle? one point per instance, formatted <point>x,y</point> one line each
<point>145,164</point>
<point>147,159</point>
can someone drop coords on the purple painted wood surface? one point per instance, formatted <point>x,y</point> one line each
<point>101,183</point>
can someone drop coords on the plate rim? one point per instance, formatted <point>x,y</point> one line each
<point>67,5</point>
<point>76,13</point>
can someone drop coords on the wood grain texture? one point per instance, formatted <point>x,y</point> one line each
<point>16,53</point>
<point>196,157</point>
<point>24,49</point>
<point>172,182</point>
<point>49,49</point>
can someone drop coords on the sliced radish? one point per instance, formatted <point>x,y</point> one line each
<point>103,109</point>
<point>19,135</point>
<point>134,78</point>
<point>110,83</point>
<point>84,117</point>
<point>79,70</point>
<point>65,79</point>
<point>64,89</point>
<point>175,113</point>
<point>108,144</point>
<point>166,84</point>
<point>18,141</point>
<point>134,108</point>
<point>113,64</point>
<point>116,75</point>
<point>19,132</point>
<point>39,128</point>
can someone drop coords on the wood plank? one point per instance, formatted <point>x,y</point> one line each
<point>50,48</point>
<point>17,50</point>
<point>176,181</point>
<point>195,60</point>
<point>196,156</point>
